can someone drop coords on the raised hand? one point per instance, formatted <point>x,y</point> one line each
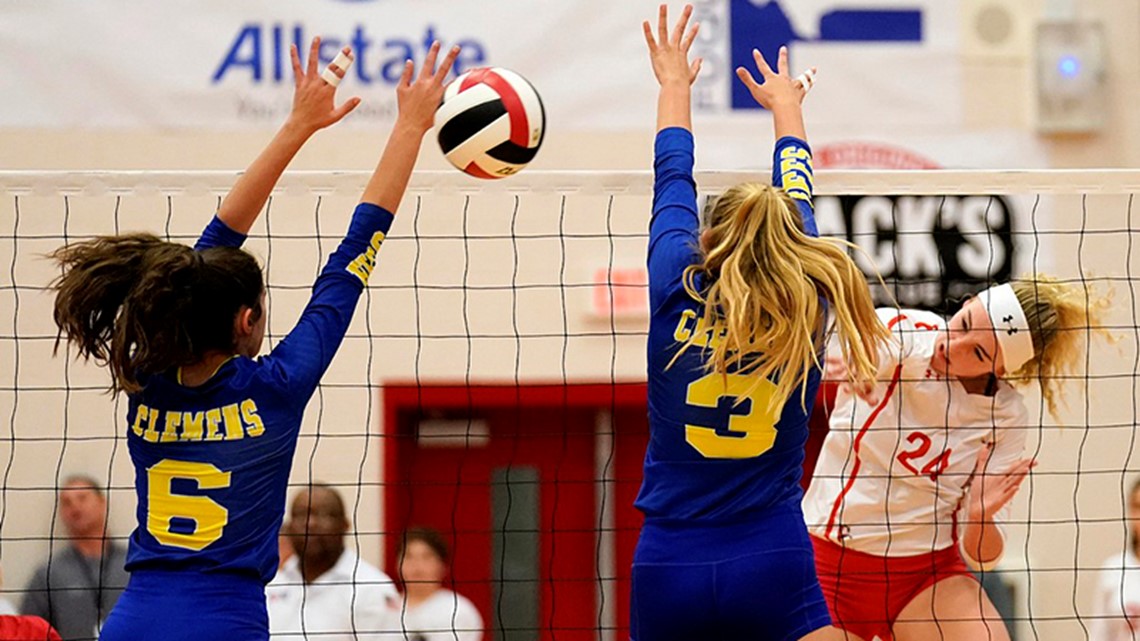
<point>778,88</point>
<point>418,99</point>
<point>314,105</point>
<point>990,491</point>
<point>669,53</point>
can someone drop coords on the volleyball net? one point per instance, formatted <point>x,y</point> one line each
<point>491,385</point>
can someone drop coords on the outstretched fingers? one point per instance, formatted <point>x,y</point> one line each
<point>409,71</point>
<point>428,69</point>
<point>314,54</point>
<point>295,58</point>
<point>663,24</point>
<point>345,109</point>
<point>762,64</point>
<point>782,62</point>
<point>746,77</point>
<point>649,41</point>
<point>687,43</point>
<point>445,67</point>
<point>682,22</point>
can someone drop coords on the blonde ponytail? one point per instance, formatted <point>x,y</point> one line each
<point>1061,315</point>
<point>765,283</point>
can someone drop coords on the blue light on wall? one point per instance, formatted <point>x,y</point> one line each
<point>1069,66</point>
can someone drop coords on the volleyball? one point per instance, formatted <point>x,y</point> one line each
<point>491,122</point>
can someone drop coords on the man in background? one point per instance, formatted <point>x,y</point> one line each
<point>325,592</point>
<point>77,587</point>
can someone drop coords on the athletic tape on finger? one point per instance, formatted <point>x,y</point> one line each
<point>341,62</point>
<point>807,79</point>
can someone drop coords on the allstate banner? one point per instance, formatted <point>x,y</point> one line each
<point>225,64</point>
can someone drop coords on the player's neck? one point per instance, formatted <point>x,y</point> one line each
<point>984,385</point>
<point>198,373</point>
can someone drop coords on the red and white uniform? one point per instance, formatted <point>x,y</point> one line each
<point>892,477</point>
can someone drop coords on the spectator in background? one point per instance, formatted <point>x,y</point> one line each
<point>325,592</point>
<point>284,548</point>
<point>431,612</point>
<point>76,589</point>
<point>1117,607</point>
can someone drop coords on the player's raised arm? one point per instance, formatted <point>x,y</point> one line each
<point>669,54</point>
<point>417,98</point>
<point>779,93</point>
<point>314,108</point>
<point>309,348</point>
<point>674,227</point>
<point>791,156</point>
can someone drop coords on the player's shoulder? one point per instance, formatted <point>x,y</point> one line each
<point>910,319</point>
<point>1009,407</point>
<point>269,375</point>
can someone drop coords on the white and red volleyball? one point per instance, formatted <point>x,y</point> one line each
<point>490,123</point>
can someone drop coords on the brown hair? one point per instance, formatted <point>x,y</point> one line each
<point>142,305</point>
<point>766,283</point>
<point>429,537</point>
<point>1060,316</point>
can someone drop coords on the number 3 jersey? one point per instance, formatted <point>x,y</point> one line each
<point>715,453</point>
<point>212,462</point>
<point>893,476</point>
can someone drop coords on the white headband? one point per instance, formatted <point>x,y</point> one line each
<point>1010,324</point>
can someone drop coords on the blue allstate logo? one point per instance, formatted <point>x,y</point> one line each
<point>764,25</point>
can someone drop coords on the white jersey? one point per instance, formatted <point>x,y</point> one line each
<point>444,616</point>
<point>892,477</point>
<point>1117,614</point>
<point>353,601</point>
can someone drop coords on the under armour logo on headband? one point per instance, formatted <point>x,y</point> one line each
<point>1008,320</point>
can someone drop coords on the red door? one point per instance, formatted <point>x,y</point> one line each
<point>511,477</point>
<point>476,463</point>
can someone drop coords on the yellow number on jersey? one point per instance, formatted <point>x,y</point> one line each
<point>756,429</point>
<point>163,505</point>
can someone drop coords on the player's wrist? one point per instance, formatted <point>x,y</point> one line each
<point>297,129</point>
<point>408,125</point>
<point>979,515</point>
<point>675,84</point>
<point>786,105</point>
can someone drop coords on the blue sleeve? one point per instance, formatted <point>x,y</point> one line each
<point>218,234</point>
<point>302,357</point>
<point>791,170</point>
<point>674,228</point>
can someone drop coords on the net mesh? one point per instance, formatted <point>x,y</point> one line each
<point>491,385</point>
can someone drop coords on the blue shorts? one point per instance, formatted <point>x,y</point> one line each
<point>750,580</point>
<point>188,606</point>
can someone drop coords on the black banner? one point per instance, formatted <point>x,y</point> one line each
<point>930,250</point>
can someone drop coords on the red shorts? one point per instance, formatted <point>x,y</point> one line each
<point>866,593</point>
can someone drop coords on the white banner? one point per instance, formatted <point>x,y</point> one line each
<point>217,64</point>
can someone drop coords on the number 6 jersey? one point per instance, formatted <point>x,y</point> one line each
<point>212,462</point>
<point>714,452</point>
<point>892,477</point>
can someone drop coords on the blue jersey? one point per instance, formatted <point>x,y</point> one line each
<point>710,457</point>
<point>212,462</point>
